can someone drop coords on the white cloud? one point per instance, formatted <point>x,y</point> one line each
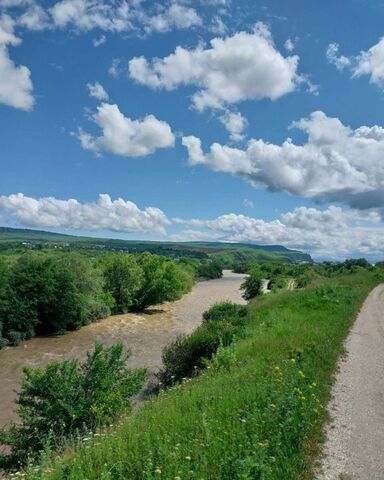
<point>371,62</point>
<point>86,15</point>
<point>104,214</point>
<point>289,45</point>
<point>330,233</point>
<point>96,90</point>
<point>235,124</point>
<point>336,163</point>
<point>245,66</point>
<point>34,18</point>
<point>368,62</point>
<point>333,57</point>
<point>248,203</point>
<point>112,16</point>
<point>333,232</point>
<point>115,69</point>
<point>175,16</point>
<point>99,41</point>
<point>123,136</point>
<point>15,81</point>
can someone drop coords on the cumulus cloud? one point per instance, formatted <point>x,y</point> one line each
<point>336,163</point>
<point>368,62</point>
<point>371,63</point>
<point>104,214</point>
<point>331,233</point>
<point>245,66</point>
<point>235,124</point>
<point>175,16</point>
<point>333,57</point>
<point>96,90</point>
<point>15,80</point>
<point>289,45</point>
<point>123,136</point>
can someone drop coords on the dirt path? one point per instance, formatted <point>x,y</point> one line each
<point>355,436</point>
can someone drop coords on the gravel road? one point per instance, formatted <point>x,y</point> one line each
<point>355,436</point>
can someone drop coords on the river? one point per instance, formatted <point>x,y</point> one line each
<point>145,334</point>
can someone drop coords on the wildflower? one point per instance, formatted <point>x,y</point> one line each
<point>301,373</point>
<point>293,360</point>
<point>158,471</point>
<point>188,458</point>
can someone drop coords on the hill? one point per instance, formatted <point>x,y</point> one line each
<point>227,253</point>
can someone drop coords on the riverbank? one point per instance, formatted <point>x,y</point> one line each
<point>260,416</point>
<point>145,334</point>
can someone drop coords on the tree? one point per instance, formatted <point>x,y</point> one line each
<point>67,399</point>
<point>52,293</point>
<point>123,279</point>
<point>162,282</point>
<point>252,286</point>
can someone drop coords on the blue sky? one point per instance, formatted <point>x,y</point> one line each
<point>178,114</point>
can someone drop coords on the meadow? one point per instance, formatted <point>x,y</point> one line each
<point>257,410</point>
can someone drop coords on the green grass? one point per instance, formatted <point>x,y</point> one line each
<point>262,418</point>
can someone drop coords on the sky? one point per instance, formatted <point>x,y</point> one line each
<point>223,120</point>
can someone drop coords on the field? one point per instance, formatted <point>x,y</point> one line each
<point>257,412</point>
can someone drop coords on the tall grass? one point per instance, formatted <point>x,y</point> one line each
<point>260,416</point>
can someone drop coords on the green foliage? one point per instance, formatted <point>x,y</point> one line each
<point>188,354</point>
<point>209,269</point>
<point>259,418</point>
<point>123,280</point>
<point>44,293</point>
<point>68,399</point>
<point>47,294</point>
<point>252,285</point>
<point>163,281</point>
<point>224,311</point>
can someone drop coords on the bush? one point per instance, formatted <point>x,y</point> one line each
<point>188,354</point>
<point>67,399</point>
<point>252,286</point>
<point>209,269</point>
<point>224,310</point>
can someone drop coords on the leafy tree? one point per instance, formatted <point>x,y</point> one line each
<point>123,279</point>
<point>67,399</point>
<point>162,282</point>
<point>252,285</point>
<point>52,294</point>
<point>209,269</point>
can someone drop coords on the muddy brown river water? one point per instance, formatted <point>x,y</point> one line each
<point>145,334</point>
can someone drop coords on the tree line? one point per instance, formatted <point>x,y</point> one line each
<point>44,293</point>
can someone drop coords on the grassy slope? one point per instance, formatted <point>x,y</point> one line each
<point>13,238</point>
<point>262,419</point>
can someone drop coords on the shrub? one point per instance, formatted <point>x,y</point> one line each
<point>224,310</point>
<point>188,354</point>
<point>67,399</point>
<point>252,286</point>
<point>209,269</point>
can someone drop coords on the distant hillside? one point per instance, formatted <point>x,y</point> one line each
<point>17,238</point>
